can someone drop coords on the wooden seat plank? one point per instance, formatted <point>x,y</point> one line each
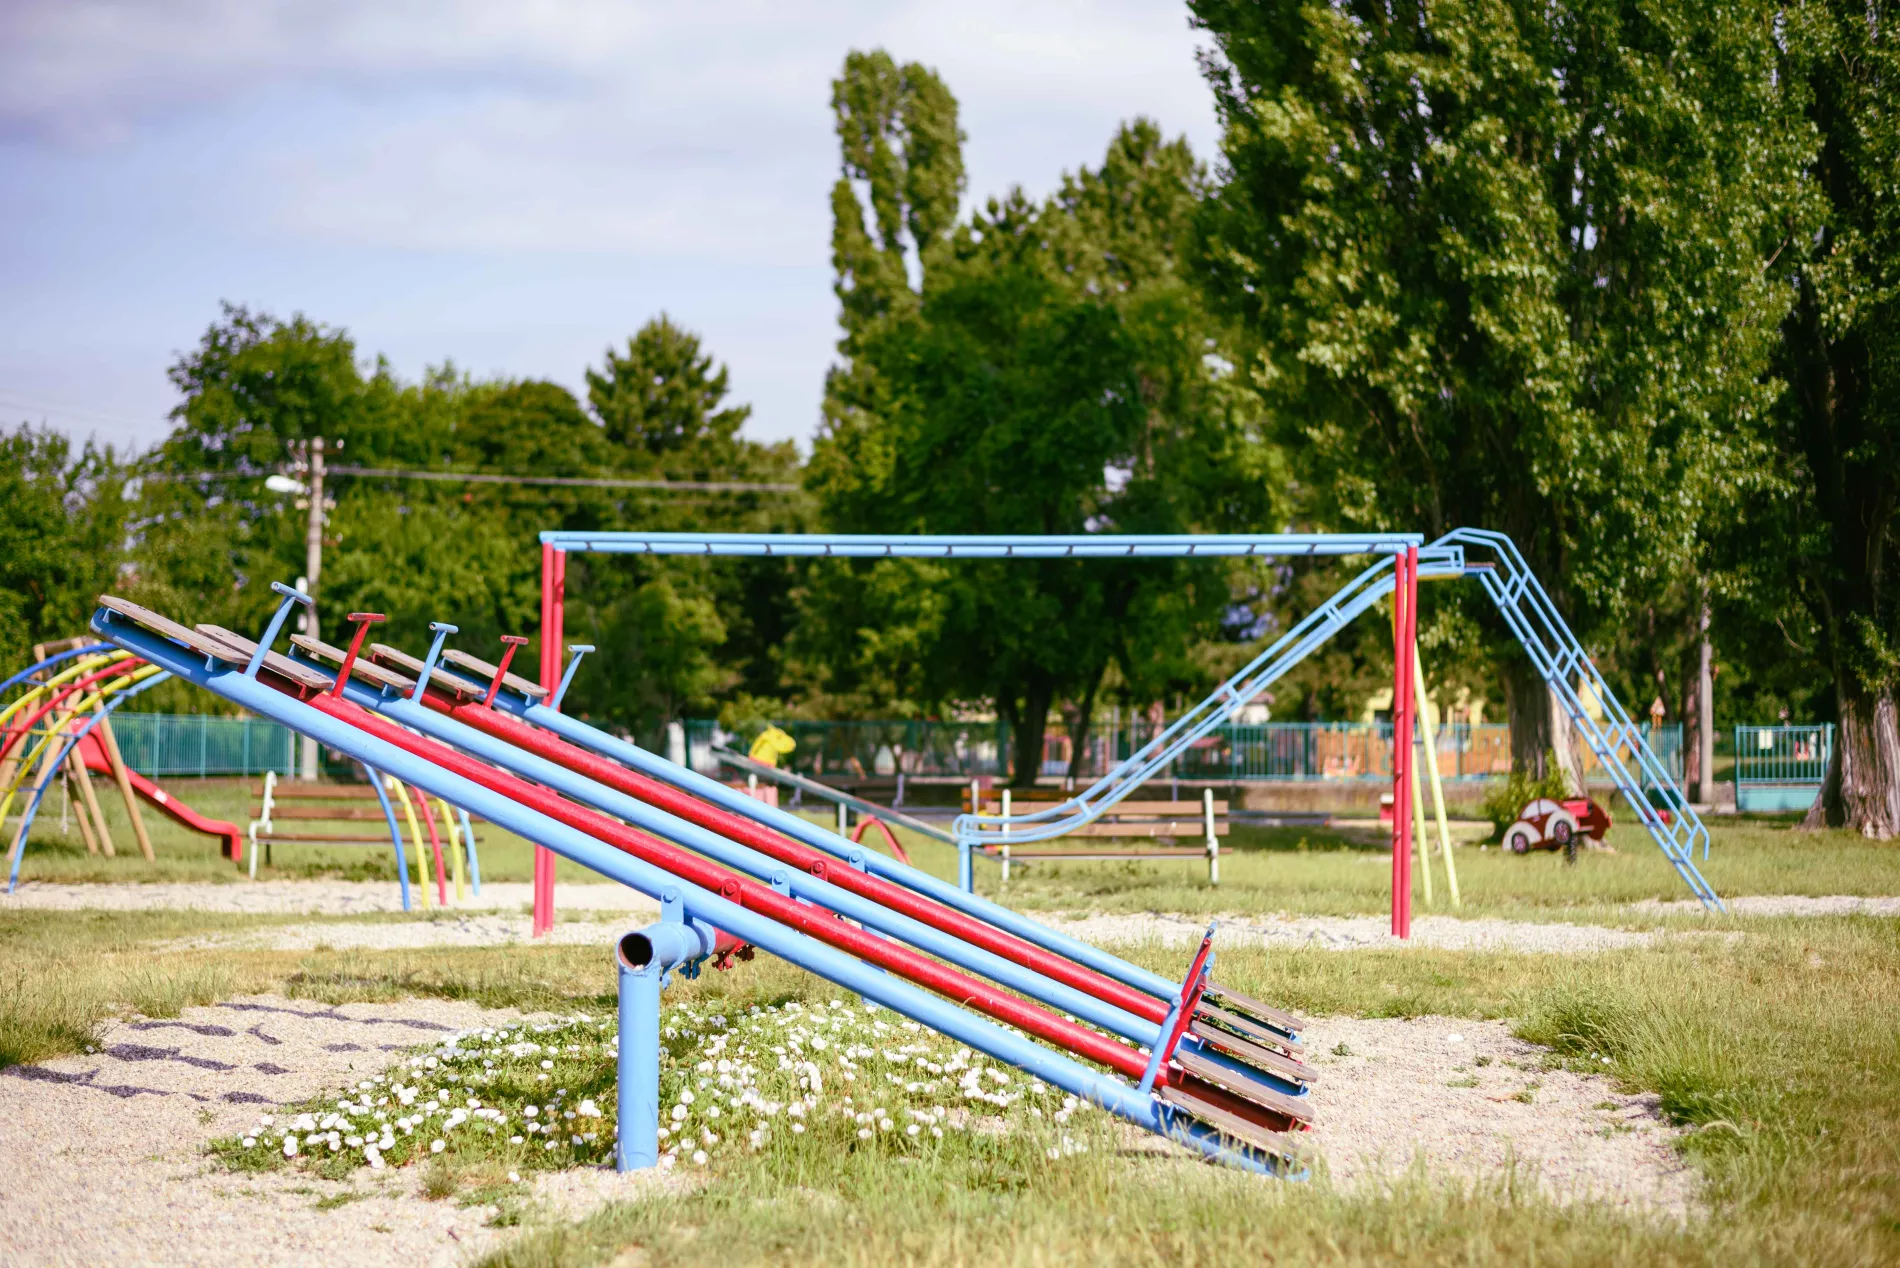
<point>1246,1089</point>
<point>1279,1144</point>
<point>366,670</point>
<point>276,662</point>
<point>164,626</point>
<point>1256,1055</point>
<point>1267,1013</point>
<point>486,672</point>
<point>453,682</point>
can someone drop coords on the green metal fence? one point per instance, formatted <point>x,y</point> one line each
<point>1267,752</point>
<point>1780,767</point>
<point>160,745</point>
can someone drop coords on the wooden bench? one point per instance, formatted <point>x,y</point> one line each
<point>1125,820</point>
<point>304,806</point>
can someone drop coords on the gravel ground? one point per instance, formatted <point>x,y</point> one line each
<point>102,1152</point>
<point>305,898</point>
<point>476,930</point>
<point>1780,905</point>
<point>104,1163</point>
<point>1390,1092</point>
<point>1352,933</point>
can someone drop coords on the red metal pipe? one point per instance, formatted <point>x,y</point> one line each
<point>748,832</point>
<point>435,844</point>
<point>812,921</point>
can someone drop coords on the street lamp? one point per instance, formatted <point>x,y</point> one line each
<point>311,499</point>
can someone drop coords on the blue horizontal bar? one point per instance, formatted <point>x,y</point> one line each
<point>1080,546</point>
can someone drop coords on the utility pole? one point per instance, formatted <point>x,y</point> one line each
<point>1705,712</point>
<point>313,570</point>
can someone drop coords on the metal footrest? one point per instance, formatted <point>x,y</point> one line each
<point>1279,1144</point>
<point>1292,1108</point>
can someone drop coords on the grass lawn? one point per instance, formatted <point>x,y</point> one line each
<point>1312,871</point>
<point>1776,1042</point>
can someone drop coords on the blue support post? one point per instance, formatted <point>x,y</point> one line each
<point>375,778</point>
<point>644,957</point>
<point>573,663</point>
<point>474,859</point>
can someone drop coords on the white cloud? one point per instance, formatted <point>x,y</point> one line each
<point>511,183</point>
<point>578,125</point>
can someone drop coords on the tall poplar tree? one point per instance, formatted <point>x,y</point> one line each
<point>1835,533</point>
<point>1503,264</point>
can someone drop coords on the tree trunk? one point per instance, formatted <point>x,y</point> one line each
<point>1081,731</point>
<point>1540,729</point>
<point>1862,786</point>
<point>1028,720</point>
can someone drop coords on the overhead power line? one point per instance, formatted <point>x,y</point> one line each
<point>586,482</point>
<point>471,477</point>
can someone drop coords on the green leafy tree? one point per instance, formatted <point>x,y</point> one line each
<point>663,397</point>
<point>1502,264</point>
<point>1831,527</point>
<point>62,527</point>
<point>1047,371</point>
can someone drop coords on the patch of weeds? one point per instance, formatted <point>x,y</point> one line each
<point>1340,1049</point>
<point>1606,1105</point>
<point>334,1200</point>
<point>439,1179</point>
<point>809,1081</point>
<point>1526,1095</point>
<point>1483,1061</point>
<point>1467,1081</point>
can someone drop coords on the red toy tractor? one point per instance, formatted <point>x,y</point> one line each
<point>1557,825</point>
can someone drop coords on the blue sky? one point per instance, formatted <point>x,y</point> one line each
<point>510,186</point>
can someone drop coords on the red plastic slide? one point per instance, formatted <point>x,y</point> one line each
<point>93,753</point>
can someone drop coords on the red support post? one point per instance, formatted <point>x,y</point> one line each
<point>553,586</point>
<point>1404,634</point>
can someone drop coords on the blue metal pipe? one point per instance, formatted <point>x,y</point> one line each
<point>769,935</point>
<point>41,666</point>
<point>801,830</point>
<point>1080,546</point>
<point>644,957</point>
<point>799,883</point>
<point>375,778</point>
<point>474,858</point>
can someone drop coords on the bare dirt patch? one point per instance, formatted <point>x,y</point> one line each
<point>1468,1099</point>
<point>1355,933</point>
<point>103,1152</point>
<point>305,898</point>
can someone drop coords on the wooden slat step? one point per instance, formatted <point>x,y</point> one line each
<point>486,672</point>
<point>361,668</point>
<point>1253,1054</point>
<point>441,677</point>
<point>1247,1004</point>
<point>1023,856</point>
<point>1158,828</point>
<point>1153,809</point>
<point>1220,1076</point>
<point>314,838</point>
<point>1280,1144</point>
<point>1248,1028</point>
<point>289,790</point>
